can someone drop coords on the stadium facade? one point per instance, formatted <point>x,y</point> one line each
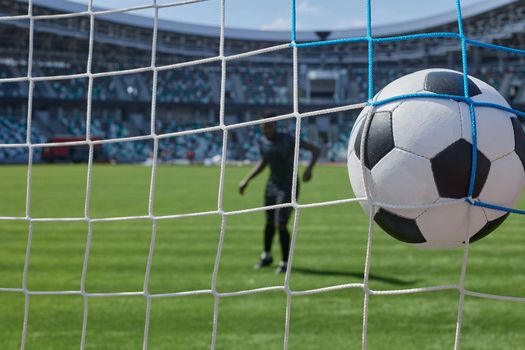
<point>188,96</point>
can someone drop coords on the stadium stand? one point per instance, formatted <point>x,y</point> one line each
<point>188,97</point>
<point>190,85</point>
<point>13,131</point>
<point>263,85</point>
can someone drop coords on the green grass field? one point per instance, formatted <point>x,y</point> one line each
<point>330,250</point>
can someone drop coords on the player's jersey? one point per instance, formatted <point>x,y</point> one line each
<point>279,153</point>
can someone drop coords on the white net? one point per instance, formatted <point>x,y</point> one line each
<point>155,137</point>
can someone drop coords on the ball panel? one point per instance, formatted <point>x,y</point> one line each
<point>504,184</point>
<point>379,140</point>
<point>409,213</point>
<point>407,84</point>
<point>493,214</point>
<point>357,129</point>
<point>449,82</point>
<point>356,180</point>
<point>492,124</point>
<point>488,94</point>
<point>388,107</point>
<point>403,229</point>
<point>488,228</point>
<point>519,139</point>
<point>409,184</point>
<point>356,177</point>
<point>450,225</point>
<point>465,121</point>
<point>357,137</point>
<point>451,168</point>
<point>415,131</point>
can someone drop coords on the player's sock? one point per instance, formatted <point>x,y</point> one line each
<point>269,231</point>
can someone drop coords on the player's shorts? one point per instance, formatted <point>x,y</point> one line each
<point>276,195</point>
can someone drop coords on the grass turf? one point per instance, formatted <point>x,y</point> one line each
<point>330,250</point>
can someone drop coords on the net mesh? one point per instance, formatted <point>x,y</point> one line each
<point>226,129</point>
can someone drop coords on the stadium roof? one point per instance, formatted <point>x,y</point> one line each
<point>279,36</point>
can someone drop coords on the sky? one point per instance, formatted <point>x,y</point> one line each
<point>276,14</point>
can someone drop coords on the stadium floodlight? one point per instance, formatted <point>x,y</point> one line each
<point>297,116</point>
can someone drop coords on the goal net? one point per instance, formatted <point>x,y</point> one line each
<point>225,129</point>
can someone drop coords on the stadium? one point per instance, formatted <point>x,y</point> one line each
<point>88,89</point>
<point>329,76</point>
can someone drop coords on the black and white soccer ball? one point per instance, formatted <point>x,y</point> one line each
<point>418,153</point>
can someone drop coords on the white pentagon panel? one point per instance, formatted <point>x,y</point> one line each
<point>495,134</point>
<point>402,178</point>
<point>408,84</point>
<point>389,107</point>
<point>426,126</point>
<point>488,93</point>
<point>465,120</point>
<point>504,184</point>
<point>446,226</point>
<point>408,213</point>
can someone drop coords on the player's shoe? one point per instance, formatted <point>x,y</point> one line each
<point>282,267</point>
<point>266,260</point>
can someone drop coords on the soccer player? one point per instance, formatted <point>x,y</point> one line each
<point>277,152</point>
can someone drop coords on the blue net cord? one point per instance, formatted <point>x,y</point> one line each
<point>370,50</point>
<point>294,24</point>
<point>465,42</point>
<point>473,127</point>
<point>458,98</point>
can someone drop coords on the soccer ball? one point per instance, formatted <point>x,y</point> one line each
<point>418,153</point>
